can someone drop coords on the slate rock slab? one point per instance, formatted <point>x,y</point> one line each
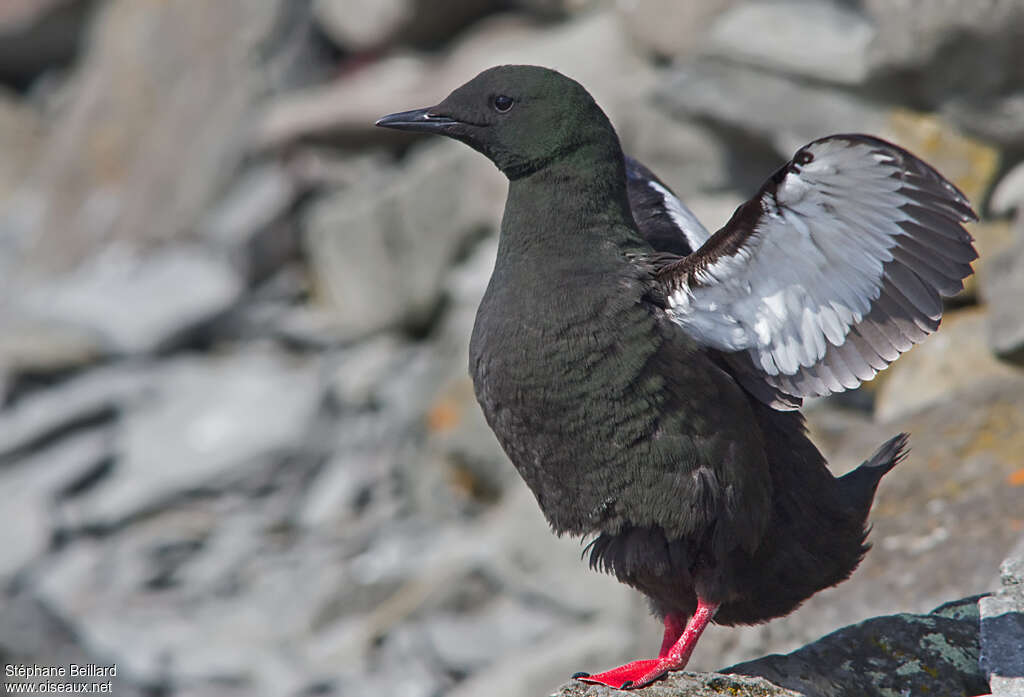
<point>137,304</point>
<point>1002,631</point>
<point>687,685</point>
<point>934,654</point>
<point>206,419</point>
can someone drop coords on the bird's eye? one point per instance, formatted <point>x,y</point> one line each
<point>502,103</point>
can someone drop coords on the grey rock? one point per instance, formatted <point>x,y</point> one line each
<point>344,111</point>
<point>555,9</point>
<point>182,105</point>
<point>819,40</point>
<point>956,360</point>
<point>999,119</point>
<point>533,670</point>
<point>206,419</point>
<point>139,304</point>
<point>1008,194</point>
<point>30,632</point>
<point>894,655</point>
<point>1002,631</point>
<point>668,29</point>
<point>30,346</point>
<point>766,106</point>
<point>688,156</point>
<point>40,418</point>
<point>248,222</point>
<point>29,515</point>
<point>690,685</point>
<point>235,601</point>
<point>380,251</point>
<point>470,641</point>
<point>334,497</point>
<point>938,48</point>
<point>1002,288</point>
<point>39,35</point>
<point>359,26</point>
<point>361,370</point>
<point>21,133</point>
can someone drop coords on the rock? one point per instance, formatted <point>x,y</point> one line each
<point>249,224</point>
<point>969,163</point>
<point>1008,194</point>
<point>788,114</point>
<point>555,9</point>
<point>991,239</point>
<point>139,304</point>
<point>1002,288</point>
<point>29,517</point>
<point>20,136</point>
<point>941,521</point>
<point>766,106</point>
<point>360,372</point>
<point>817,40</point>
<point>32,348</point>
<point>42,417</point>
<point>207,419</point>
<point>957,359</point>
<point>469,641</point>
<point>950,511</point>
<point>1002,631</point>
<point>196,571</point>
<point>899,654</point>
<point>934,49</point>
<point>357,26</point>
<point>31,633</point>
<point>465,447</point>
<point>665,29</point>
<point>996,119</point>
<point>182,106</point>
<point>690,157</point>
<point>380,250</point>
<point>345,110</point>
<point>689,685</point>
<point>39,35</point>
<point>342,489</point>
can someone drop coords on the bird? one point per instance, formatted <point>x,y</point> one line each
<point>645,376</point>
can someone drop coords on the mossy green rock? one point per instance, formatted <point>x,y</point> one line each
<point>932,655</point>
<point>935,655</point>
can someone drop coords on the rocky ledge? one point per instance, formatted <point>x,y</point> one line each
<point>955,650</point>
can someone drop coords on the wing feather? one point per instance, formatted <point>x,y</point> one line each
<point>834,269</point>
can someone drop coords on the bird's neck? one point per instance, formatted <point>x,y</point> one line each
<point>575,208</point>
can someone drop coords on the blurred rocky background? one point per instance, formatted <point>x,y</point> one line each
<point>239,452</point>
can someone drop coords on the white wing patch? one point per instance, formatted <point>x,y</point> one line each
<point>838,267</point>
<point>696,234</point>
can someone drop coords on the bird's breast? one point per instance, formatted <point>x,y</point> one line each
<point>562,385</point>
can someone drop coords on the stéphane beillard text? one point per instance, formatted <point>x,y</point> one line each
<point>74,670</point>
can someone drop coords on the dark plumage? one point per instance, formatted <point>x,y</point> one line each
<point>642,375</point>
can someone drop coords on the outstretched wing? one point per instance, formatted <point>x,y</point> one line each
<point>834,269</point>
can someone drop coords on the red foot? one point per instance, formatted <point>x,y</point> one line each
<point>676,647</point>
<point>634,674</point>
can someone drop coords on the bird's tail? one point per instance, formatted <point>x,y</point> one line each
<point>858,486</point>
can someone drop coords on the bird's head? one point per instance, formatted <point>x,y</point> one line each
<point>522,117</point>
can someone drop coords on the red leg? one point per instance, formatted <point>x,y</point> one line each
<point>674,626</point>
<point>675,652</point>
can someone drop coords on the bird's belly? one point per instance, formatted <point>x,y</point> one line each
<point>571,414</point>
